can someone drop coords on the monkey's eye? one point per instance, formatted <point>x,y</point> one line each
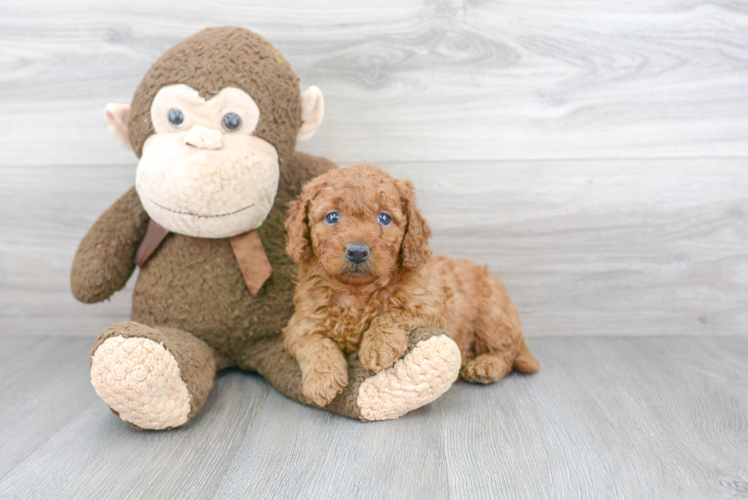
<point>385,219</point>
<point>176,117</point>
<point>231,122</point>
<point>332,217</point>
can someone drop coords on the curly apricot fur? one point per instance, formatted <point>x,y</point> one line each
<point>373,306</point>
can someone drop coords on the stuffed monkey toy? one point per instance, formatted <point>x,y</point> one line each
<point>214,124</point>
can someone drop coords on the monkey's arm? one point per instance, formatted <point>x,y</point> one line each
<point>104,260</point>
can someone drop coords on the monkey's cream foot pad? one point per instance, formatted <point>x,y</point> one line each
<point>140,380</point>
<point>423,375</point>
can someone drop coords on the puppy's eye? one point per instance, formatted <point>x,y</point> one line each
<point>332,217</point>
<point>384,218</point>
<point>176,117</point>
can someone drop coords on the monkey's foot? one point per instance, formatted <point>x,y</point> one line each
<point>428,369</point>
<point>134,370</point>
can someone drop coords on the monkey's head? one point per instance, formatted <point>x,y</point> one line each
<point>211,122</point>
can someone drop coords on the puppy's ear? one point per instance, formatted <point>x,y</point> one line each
<point>299,244</point>
<point>415,249</point>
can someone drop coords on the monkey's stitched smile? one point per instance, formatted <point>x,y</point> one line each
<point>199,215</point>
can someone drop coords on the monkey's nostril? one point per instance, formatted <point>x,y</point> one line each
<point>357,253</point>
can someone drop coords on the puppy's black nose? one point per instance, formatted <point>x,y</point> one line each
<point>357,253</point>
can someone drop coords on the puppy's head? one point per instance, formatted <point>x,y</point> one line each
<point>359,224</point>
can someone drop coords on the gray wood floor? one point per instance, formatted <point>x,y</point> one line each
<point>605,418</point>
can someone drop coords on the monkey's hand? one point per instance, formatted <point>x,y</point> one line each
<point>104,260</point>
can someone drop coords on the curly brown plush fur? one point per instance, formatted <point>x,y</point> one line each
<point>217,58</point>
<point>343,306</point>
<point>192,311</point>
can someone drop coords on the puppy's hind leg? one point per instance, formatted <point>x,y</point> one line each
<point>487,368</point>
<point>525,362</point>
<point>498,341</point>
<point>492,366</point>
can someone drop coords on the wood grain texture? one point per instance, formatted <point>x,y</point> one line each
<point>418,80</point>
<point>445,93</point>
<point>607,418</point>
<point>647,247</point>
<point>51,209</point>
<point>604,418</point>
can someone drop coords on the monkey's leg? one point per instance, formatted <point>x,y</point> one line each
<point>152,378</point>
<point>429,367</point>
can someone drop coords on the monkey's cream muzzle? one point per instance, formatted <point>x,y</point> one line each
<point>204,192</point>
<point>197,179</point>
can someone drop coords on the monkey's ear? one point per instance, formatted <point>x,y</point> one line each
<point>312,112</point>
<point>117,116</point>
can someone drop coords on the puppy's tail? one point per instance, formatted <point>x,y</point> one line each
<point>525,362</point>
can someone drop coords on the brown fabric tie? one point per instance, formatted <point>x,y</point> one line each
<point>253,261</point>
<point>154,235</point>
<point>248,250</point>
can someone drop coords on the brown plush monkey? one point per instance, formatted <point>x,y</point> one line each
<point>214,123</point>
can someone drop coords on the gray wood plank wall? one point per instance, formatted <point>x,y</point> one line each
<point>592,153</point>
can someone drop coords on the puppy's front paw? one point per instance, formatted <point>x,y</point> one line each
<point>380,350</point>
<point>323,381</point>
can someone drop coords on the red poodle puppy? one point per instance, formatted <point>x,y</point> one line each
<point>367,278</point>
